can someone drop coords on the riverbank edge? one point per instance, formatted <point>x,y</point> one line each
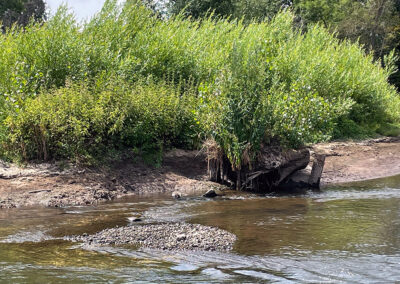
<point>60,184</point>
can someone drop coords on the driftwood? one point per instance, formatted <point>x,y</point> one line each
<point>272,171</point>
<point>316,172</point>
<point>308,178</point>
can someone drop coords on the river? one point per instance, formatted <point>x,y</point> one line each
<point>344,234</point>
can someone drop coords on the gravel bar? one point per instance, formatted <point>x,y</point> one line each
<point>166,236</point>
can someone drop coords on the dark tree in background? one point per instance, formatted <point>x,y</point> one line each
<point>375,24</point>
<point>21,12</point>
<point>237,9</point>
<point>395,78</point>
<point>198,9</point>
<point>13,5</point>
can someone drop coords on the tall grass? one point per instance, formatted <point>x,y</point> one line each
<point>241,85</point>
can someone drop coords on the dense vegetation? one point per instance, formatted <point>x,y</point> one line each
<point>373,23</point>
<point>130,79</point>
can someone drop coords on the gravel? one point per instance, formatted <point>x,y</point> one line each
<point>166,236</point>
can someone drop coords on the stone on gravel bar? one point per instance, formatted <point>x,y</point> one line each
<point>210,194</point>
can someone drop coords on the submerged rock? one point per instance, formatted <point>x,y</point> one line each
<point>210,194</point>
<point>176,195</point>
<point>135,219</point>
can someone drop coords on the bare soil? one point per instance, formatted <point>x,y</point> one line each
<point>61,184</point>
<point>357,161</point>
<point>58,185</point>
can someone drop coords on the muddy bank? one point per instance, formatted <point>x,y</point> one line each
<point>183,171</point>
<point>57,185</point>
<point>167,236</point>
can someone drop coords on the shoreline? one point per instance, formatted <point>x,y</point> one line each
<point>60,185</point>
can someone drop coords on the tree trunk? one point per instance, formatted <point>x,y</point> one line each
<point>214,170</point>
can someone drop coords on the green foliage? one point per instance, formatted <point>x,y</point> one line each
<point>389,129</point>
<point>198,9</point>
<point>299,88</point>
<point>348,129</point>
<point>235,114</point>
<point>130,79</point>
<point>39,57</point>
<point>87,120</point>
<point>300,116</point>
<point>324,11</point>
<point>372,23</point>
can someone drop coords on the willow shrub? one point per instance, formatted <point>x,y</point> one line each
<point>257,82</point>
<point>248,105</point>
<point>84,121</point>
<point>296,88</point>
<point>39,56</point>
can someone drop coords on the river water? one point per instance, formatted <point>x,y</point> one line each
<point>346,234</point>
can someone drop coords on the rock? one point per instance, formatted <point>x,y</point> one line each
<point>181,237</point>
<point>176,195</point>
<point>210,194</point>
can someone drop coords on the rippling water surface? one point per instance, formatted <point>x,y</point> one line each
<point>346,234</point>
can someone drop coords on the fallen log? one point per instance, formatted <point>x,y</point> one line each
<point>275,169</point>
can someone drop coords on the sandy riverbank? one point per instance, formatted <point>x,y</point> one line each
<point>357,161</point>
<point>185,171</point>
